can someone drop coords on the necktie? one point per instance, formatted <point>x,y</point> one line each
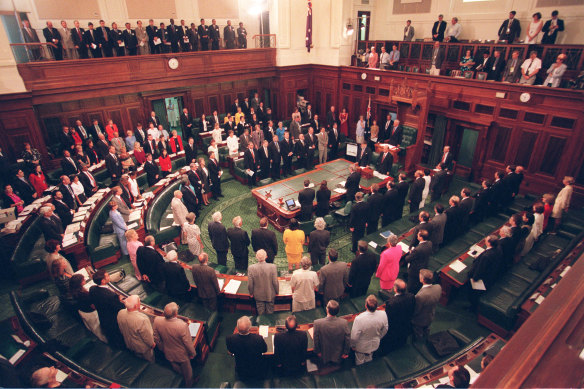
<point>82,130</point>
<point>277,147</point>
<point>104,33</point>
<point>444,157</point>
<point>91,32</point>
<point>79,34</point>
<point>253,156</point>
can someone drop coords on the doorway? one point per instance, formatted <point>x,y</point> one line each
<point>364,20</point>
<point>168,109</point>
<point>466,150</point>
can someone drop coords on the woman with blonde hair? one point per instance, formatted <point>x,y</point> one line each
<point>192,235</point>
<point>562,203</point>
<point>132,245</point>
<point>294,239</point>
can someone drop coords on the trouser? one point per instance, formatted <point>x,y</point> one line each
<point>275,170</point>
<point>132,51</point>
<point>215,44</point>
<point>264,307</point>
<point>57,53</point>
<point>435,196</point>
<point>120,51</point>
<point>70,53</point>
<point>414,284</point>
<point>210,303</point>
<point>241,261</point>
<point>322,154</point>
<point>186,370</point>
<point>107,50</point>
<point>222,257</point>
<point>185,47</point>
<point>148,355</point>
<point>122,240</point>
<point>154,49</point>
<point>361,358</point>
<point>414,206</point>
<point>372,225</point>
<point>355,237</point>
<point>526,81</point>
<point>318,258</point>
<point>287,165</point>
<point>243,43</point>
<point>82,52</point>
<point>174,47</point>
<point>204,44</point>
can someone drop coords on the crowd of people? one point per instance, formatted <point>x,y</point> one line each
<point>103,41</point>
<point>493,65</point>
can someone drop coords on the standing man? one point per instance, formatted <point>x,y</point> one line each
<point>264,239</point>
<point>113,165</point>
<point>437,58</point>
<point>251,164</point>
<point>362,268</point>
<point>248,349</point>
<point>219,238</point>
<point>187,123</point>
<point>425,308</point>
<point>358,220</point>
<point>107,304</point>
<point>418,259</point>
<point>78,42</point>
<point>30,36</point>
<point>152,32</point>
<point>290,349</point>
<point>275,155</point>
<point>239,241</point>
<point>136,329</point>
<point>495,66</point>
<point>52,36</point>
<point>173,338</point>
<point>203,31</point>
<point>416,191</point>
<point>193,35</point>
<point>117,39</point>
<point>214,35</point>
<point>438,29</point>
<point>173,36</point>
<point>130,40</point>
<point>287,152</point>
<point>67,41</point>
<point>229,36</point>
<point>453,31</point>
<point>352,183</point>
<point>393,57</point>
<point>333,278</point>
<point>142,38</point>
<point>183,37</point>
<point>92,42</point>
<point>206,281</point>
<point>332,338</point>
<point>512,71</point>
<point>242,36</point>
<point>551,28</point>
<point>263,283</point>
<point>530,68</point>
<point>510,29</point>
<point>399,309</point>
<point>394,136</point>
<point>103,37</point>
<point>383,59</point>
<point>408,31</point>
<point>368,329</point>
<point>306,199</point>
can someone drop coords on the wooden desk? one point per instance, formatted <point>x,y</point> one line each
<point>334,172</point>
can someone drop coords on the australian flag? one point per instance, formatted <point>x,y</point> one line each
<point>309,26</point>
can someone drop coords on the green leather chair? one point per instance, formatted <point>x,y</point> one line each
<point>27,260</point>
<point>101,246</point>
<point>156,211</point>
<point>409,137</point>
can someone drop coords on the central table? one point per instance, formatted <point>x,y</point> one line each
<point>334,172</point>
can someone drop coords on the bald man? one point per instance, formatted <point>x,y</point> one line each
<point>247,349</point>
<point>136,329</point>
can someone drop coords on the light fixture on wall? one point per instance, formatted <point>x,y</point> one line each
<point>257,7</point>
<point>349,29</point>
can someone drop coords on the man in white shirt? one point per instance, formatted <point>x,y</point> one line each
<point>368,329</point>
<point>408,32</point>
<point>453,31</point>
<point>153,131</point>
<point>530,68</point>
<point>384,59</point>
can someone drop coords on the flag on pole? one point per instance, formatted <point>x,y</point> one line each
<point>309,26</point>
<point>369,109</point>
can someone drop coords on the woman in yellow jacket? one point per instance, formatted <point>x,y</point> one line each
<point>293,239</point>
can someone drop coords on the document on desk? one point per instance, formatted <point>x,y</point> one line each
<point>232,287</point>
<point>457,266</point>
<point>61,376</point>
<point>221,283</point>
<point>285,289</point>
<point>405,248</point>
<point>194,329</point>
<point>264,331</point>
<point>477,285</point>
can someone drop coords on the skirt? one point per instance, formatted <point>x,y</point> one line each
<point>294,259</point>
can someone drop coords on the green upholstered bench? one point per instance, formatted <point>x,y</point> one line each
<point>101,246</point>
<point>28,258</point>
<point>239,171</point>
<point>82,351</point>
<point>155,212</point>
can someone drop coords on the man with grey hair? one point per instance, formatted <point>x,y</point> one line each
<point>51,228</point>
<point>507,246</point>
<point>332,337</point>
<point>263,283</point>
<point>248,349</point>
<point>303,283</point>
<point>318,242</point>
<point>206,281</point>
<point>173,338</point>
<point>529,69</point>
<point>425,307</point>
<point>368,329</point>
<point>136,329</point>
<point>219,238</point>
<point>239,241</point>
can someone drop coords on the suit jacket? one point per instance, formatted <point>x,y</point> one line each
<point>122,208</point>
<point>454,223</point>
<point>88,39</point>
<point>487,266</point>
<point>352,185</point>
<point>218,236</point>
<point>499,66</point>
<point>402,188</point>
<point>333,141</point>
<point>107,304</point>
<point>550,39</point>
<point>332,118</point>
<point>68,197</point>
<point>173,338</point>
<point>438,182</point>
<point>306,200</point>
<point>113,165</point>
<point>69,168</point>
<point>419,256</point>
<point>439,28</point>
<point>440,55</point>
<point>263,281</point>
<point>426,300</point>
<point>129,38</point>
<point>152,170</point>
<point>394,137</point>
<point>64,212</point>
<point>384,163</point>
<point>206,281</point>
<point>51,229</point>
<point>514,30</point>
<point>100,36</point>
<point>239,241</point>
<point>251,161</point>
<point>51,34</point>
<point>466,205</point>
<point>290,351</point>
<point>512,73</point>
<point>264,157</point>
<point>177,283</point>
<point>332,338</point>
<point>190,152</point>
<point>399,310</point>
<point>429,227</point>
<point>363,156</point>
<point>374,207</point>
<point>301,150</point>
<point>333,279</point>
<point>274,154</point>
<point>24,189</point>
<point>318,242</point>
<point>499,192</point>
<point>262,238</point>
<point>248,351</point>
<point>362,268</point>
<point>416,191</point>
<point>189,199</point>
<point>294,129</point>
<point>150,263</point>
<point>410,33</point>
<point>391,205</point>
<point>154,120</point>
<point>438,223</point>
<point>359,216</point>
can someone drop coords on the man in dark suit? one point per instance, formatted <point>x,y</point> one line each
<point>482,203</point>
<point>103,37</point>
<point>394,136</point>
<point>140,134</point>
<point>391,209</point>
<point>150,146</point>
<point>402,187</point>
<point>511,184</point>
<point>333,141</point>
<point>203,31</point>
<point>163,38</point>
<point>438,182</point>
<point>117,39</point>
<point>275,157</point>
<point>251,163</point>
<point>301,152</point>
<point>454,220</point>
<point>447,158</point>
<point>466,206</point>
<point>416,190</point>
<point>426,300</point>
<point>384,162</point>
<point>352,183</point>
<point>512,71</point>
<point>488,265</point>
<point>95,130</point>
<point>507,247</point>
<point>189,196</point>
<point>287,151</point>
<point>66,140</point>
<point>206,280</point>
<point>242,36</point>
<point>150,263</point>
<point>424,218</point>
<point>23,188</point>
<point>399,309</point>
<point>290,349</point>
<point>385,129</point>
<point>182,31</point>
<point>173,36</point>
<point>264,239</point>
<point>495,66</point>
<point>499,192</point>
<point>363,155</point>
<point>229,36</point>
<point>306,199</point>
<point>248,350</point>
<point>264,155</point>
<point>214,35</point>
<point>239,241</point>
<point>154,119</point>
<point>152,32</point>
<point>551,28</point>
<point>418,259</point>
<point>311,148</point>
<point>53,36</point>
<point>375,205</point>
<point>113,165</point>
<point>77,37</point>
<point>333,278</point>
<point>332,117</point>
<point>152,170</point>
<point>68,164</point>
<point>358,220</point>
<point>332,337</point>
<point>215,174</point>
<point>196,181</point>
<point>68,196</point>
<point>61,209</point>
<point>177,284</point>
<point>219,238</point>
<point>91,41</point>
<point>190,151</point>
<point>88,181</point>
<point>318,242</point>
<point>50,226</point>
<point>510,29</point>
<point>130,40</point>
<point>438,29</point>
<point>437,58</point>
<point>108,304</point>
<point>362,269</point>
<point>30,36</point>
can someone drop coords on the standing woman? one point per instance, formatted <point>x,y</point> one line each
<point>323,197</point>
<point>78,189</point>
<point>139,154</point>
<point>82,302</point>
<point>534,29</point>
<point>344,118</point>
<point>204,174</point>
<point>192,235</point>
<point>548,201</point>
<point>165,163</point>
<point>293,239</point>
<point>389,263</point>
<point>562,201</point>
<point>176,143</point>
<point>38,181</point>
<point>132,244</point>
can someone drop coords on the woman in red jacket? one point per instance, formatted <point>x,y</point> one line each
<point>176,143</point>
<point>110,129</point>
<point>37,180</point>
<point>165,163</point>
<point>139,153</point>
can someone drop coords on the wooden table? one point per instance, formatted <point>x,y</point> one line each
<point>271,198</point>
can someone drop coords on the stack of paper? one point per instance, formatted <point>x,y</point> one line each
<point>61,376</point>
<point>72,228</point>
<point>232,287</point>
<point>457,266</point>
<point>373,244</point>
<point>405,248</point>
<point>194,329</point>
<point>475,251</point>
<point>83,272</point>
<point>340,190</point>
<point>221,283</point>
<point>88,285</point>
<point>285,288</point>
<point>133,226</point>
<point>379,175</point>
<point>477,285</point>
<point>263,331</point>
<point>135,215</point>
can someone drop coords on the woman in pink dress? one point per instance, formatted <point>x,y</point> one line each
<point>344,118</point>
<point>389,264</point>
<point>132,244</point>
